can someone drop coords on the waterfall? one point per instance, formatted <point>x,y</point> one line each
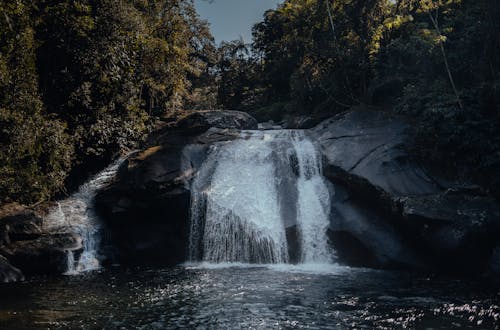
<point>249,191</point>
<point>76,214</point>
<point>313,207</point>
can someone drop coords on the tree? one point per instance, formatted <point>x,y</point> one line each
<point>432,8</point>
<point>35,150</point>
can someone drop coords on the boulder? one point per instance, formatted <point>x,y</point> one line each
<point>362,237</point>
<point>26,246</point>
<point>44,255</point>
<point>451,226</point>
<point>387,210</point>
<point>146,211</point>
<point>17,222</point>
<point>366,150</point>
<point>455,229</point>
<point>302,121</point>
<point>9,273</point>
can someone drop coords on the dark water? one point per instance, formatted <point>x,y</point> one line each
<point>250,297</point>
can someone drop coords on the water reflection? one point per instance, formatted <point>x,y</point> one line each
<point>249,297</point>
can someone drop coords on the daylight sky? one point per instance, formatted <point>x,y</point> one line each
<point>230,19</point>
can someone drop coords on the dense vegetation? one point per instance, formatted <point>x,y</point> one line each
<point>81,79</point>
<point>437,62</point>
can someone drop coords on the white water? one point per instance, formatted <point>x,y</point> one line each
<point>76,214</point>
<point>303,268</point>
<point>250,190</point>
<point>313,207</point>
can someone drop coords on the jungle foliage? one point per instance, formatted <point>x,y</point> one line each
<point>79,80</point>
<point>82,79</point>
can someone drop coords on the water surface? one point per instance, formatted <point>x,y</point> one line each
<point>259,297</point>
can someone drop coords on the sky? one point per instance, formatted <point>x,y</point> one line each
<point>230,19</point>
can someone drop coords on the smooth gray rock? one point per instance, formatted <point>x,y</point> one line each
<point>369,146</point>
<point>458,228</point>
<point>452,226</point>
<point>362,237</point>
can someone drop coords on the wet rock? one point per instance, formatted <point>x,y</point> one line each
<point>27,247</point>
<point>9,273</point>
<point>45,255</point>
<point>146,210</point>
<point>362,238</point>
<point>17,222</point>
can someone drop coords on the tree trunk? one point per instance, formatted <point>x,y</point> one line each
<point>434,21</point>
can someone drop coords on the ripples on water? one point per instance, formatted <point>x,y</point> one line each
<point>259,297</point>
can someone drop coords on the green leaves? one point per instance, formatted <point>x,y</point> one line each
<point>81,79</point>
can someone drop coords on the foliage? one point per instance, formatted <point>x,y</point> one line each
<point>82,79</point>
<point>35,151</point>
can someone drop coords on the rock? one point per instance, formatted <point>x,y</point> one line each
<point>365,150</point>
<point>394,200</point>
<point>27,246</point>
<point>387,211</point>
<point>145,225</point>
<point>146,211</point>
<point>18,222</point>
<point>9,273</point>
<point>301,121</point>
<point>203,120</point>
<point>45,255</point>
<point>269,125</point>
<point>456,229</point>
<point>362,238</point>
<point>495,260</point>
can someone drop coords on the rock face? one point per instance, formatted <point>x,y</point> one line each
<point>387,211</point>
<point>366,147</point>
<point>146,211</point>
<point>26,248</point>
<point>393,206</point>
<point>363,237</point>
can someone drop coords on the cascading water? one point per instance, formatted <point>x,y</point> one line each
<point>249,191</point>
<point>76,214</point>
<point>313,206</point>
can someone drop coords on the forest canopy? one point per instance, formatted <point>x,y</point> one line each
<point>80,80</point>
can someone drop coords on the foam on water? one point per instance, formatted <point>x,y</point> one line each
<point>302,268</point>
